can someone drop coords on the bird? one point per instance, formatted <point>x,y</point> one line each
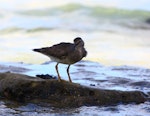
<point>65,53</point>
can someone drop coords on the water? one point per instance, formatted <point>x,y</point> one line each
<point>91,74</point>
<point>117,41</point>
<point>112,36</point>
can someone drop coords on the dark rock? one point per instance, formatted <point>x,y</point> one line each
<point>141,84</point>
<point>46,76</point>
<point>148,20</point>
<point>23,88</point>
<point>92,84</point>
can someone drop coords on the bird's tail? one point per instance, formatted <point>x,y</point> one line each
<point>37,50</point>
<point>41,50</point>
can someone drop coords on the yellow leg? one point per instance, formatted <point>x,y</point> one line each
<point>59,79</point>
<point>69,74</point>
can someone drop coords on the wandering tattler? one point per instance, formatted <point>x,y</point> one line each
<point>66,53</point>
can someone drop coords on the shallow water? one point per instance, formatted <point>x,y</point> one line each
<point>91,74</point>
<point>117,42</point>
<point>36,110</point>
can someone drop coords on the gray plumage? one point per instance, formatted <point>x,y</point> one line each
<point>66,53</point>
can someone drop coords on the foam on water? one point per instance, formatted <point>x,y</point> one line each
<point>73,15</point>
<point>91,74</point>
<point>112,36</point>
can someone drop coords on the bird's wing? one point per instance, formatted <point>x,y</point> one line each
<point>59,50</point>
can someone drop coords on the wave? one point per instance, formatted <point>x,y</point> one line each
<point>76,17</point>
<point>53,11</point>
<point>10,30</point>
<point>134,19</point>
<point>16,29</point>
<point>92,10</point>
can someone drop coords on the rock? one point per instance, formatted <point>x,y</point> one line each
<point>141,84</point>
<point>23,88</point>
<point>47,76</point>
<point>148,20</point>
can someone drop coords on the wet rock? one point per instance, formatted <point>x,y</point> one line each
<point>119,80</point>
<point>23,88</point>
<point>46,76</point>
<point>148,20</point>
<point>92,84</point>
<point>141,84</point>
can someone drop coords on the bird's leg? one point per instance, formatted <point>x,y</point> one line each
<point>69,74</point>
<point>59,79</point>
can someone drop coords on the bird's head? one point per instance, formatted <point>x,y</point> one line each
<point>78,41</point>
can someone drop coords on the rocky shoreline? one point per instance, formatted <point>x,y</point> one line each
<point>23,88</point>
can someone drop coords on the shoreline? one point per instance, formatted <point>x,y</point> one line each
<point>115,76</point>
<point>88,74</point>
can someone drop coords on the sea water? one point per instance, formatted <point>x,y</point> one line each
<point>117,41</point>
<point>112,36</point>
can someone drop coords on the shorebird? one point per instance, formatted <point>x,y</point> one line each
<point>65,53</point>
